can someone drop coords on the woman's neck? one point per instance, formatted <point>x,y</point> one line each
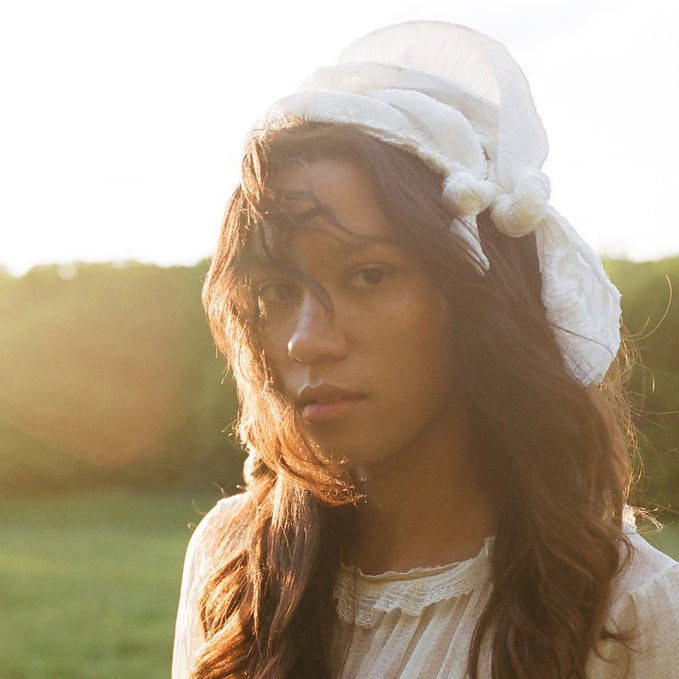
<point>427,510</point>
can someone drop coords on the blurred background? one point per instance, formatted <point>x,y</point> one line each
<point>120,138</point>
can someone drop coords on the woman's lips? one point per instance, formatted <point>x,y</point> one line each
<point>323,412</point>
<point>325,403</point>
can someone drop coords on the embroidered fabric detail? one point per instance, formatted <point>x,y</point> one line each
<point>362,599</point>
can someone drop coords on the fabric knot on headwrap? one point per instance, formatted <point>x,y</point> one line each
<point>521,212</point>
<point>466,194</point>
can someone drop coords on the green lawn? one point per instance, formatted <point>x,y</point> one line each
<point>666,540</point>
<point>89,582</point>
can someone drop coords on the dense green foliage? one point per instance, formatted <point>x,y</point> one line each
<point>651,321</point>
<point>108,375</point>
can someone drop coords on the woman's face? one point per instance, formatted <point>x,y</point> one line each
<point>371,376</point>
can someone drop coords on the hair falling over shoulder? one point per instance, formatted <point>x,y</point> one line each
<point>552,454</point>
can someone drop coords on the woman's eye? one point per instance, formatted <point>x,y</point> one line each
<point>368,277</point>
<point>273,293</point>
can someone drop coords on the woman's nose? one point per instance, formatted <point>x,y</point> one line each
<point>317,334</point>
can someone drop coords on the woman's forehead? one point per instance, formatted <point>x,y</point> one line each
<point>332,190</point>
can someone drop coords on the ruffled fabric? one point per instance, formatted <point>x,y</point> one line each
<point>420,623</point>
<point>362,598</point>
<point>410,625</point>
<point>583,305</point>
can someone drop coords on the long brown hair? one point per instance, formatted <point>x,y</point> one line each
<point>551,454</point>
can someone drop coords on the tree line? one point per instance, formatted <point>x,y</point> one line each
<point>108,375</point>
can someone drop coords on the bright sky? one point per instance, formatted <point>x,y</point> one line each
<point>121,122</point>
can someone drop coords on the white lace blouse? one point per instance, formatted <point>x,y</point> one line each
<point>419,624</point>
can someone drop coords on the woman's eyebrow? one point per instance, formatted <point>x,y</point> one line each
<point>362,245</point>
<point>260,264</point>
<point>262,267</point>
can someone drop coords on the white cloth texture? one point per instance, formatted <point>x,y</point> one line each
<point>458,100</point>
<point>419,624</point>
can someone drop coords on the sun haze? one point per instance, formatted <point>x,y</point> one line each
<point>123,122</point>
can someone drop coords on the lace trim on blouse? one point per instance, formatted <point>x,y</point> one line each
<point>362,599</point>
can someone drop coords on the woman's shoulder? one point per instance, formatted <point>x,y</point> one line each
<point>223,516</point>
<point>644,610</point>
<point>648,585</point>
<point>645,565</point>
<point>216,530</point>
<point>223,512</point>
<point>222,524</point>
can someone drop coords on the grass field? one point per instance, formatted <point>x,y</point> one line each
<point>666,540</point>
<point>89,582</point>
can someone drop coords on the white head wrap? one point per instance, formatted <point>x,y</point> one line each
<point>458,100</point>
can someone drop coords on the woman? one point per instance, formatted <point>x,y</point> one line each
<point>438,467</point>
